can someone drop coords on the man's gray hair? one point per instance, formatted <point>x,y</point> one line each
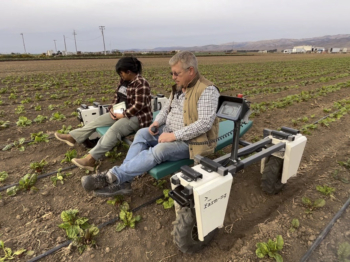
<point>186,58</point>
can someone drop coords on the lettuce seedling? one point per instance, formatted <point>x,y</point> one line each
<point>344,252</point>
<point>271,248</point>
<point>85,238</point>
<point>295,224</point>
<point>12,191</point>
<point>326,190</point>
<point>4,124</point>
<point>60,177</point>
<point>39,137</point>
<point>65,130</point>
<point>8,254</point>
<point>345,164</point>
<point>72,223</point>
<point>40,119</point>
<point>18,144</point>
<point>127,218</point>
<point>69,155</point>
<point>28,181</point>
<point>167,201</point>
<point>116,201</point>
<point>23,121</point>
<point>3,176</point>
<point>159,183</point>
<point>312,205</point>
<point>57,116</point>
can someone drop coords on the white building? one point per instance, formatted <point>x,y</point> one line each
<point>287,51</point>
<point>307,48</point>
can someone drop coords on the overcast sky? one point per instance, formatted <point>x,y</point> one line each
<point>161,23</point>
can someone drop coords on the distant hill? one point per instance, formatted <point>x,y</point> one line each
<point>327,41</point>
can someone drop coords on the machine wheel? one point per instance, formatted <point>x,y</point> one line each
<point>272,175</point>
<point>185,232</point>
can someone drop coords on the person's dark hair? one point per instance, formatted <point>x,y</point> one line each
<point>129,63</point>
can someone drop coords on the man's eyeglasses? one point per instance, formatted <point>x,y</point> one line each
<point>177,74</point>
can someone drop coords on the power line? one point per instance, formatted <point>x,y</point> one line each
<point>104,46</point>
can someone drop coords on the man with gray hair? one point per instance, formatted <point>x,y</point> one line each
<point>185,127</point>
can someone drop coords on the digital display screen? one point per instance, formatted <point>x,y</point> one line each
<point>230,109</point>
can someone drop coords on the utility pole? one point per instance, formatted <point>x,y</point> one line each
<point>55,45</point>
<point>103,36</point>
<point>65,47</point>
<point>23,43</point>
<point>75,40</point>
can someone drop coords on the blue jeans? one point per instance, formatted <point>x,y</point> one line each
<point>145,153</point>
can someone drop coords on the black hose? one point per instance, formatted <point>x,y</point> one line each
<point>64,244</point>
<point>39,177</point>
<point>325,231</point>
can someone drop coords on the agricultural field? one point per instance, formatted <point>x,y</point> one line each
<point>307,92</point>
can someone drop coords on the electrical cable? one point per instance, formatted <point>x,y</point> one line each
<point>39,177</point>
<point>64,244</point>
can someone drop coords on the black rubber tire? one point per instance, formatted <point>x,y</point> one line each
<point>185,234</point>
<point>271,176</point>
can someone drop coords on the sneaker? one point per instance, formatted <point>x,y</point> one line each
<point>68,139</point>
<point>114,189</point>
<point>85,163</point>
<point>96,181</point>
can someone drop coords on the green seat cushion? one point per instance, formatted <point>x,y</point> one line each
<point>169,167</point>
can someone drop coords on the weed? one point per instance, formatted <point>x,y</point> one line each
<point>343,252</point>
<point>69,155</point>
<point>271,248</point>
<point>311,206</point>
<point>38,166</point>
<point>3,176</point>
<point>159,183</point>
<point>167,201</point>
<point>127,218</point>
<point>8,254</point>
<point>23,121</point>
<point>326,190</point>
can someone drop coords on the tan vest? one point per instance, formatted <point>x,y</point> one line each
<point>190,115</point>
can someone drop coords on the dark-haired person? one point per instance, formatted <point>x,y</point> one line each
<point>135,91</point>
<point>188,116</point>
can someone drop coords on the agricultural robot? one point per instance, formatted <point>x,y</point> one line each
<point>201,192</point>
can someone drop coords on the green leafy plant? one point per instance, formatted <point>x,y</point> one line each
<point>113,155</point>
<point>311,206</point>
<point>127,218</point>
<point>20,109</point>
<point>8,253</point>
<point>28,181</point>
<point>345,164</point>
<point>51,107</point>
<point>12,191</point>
<point>37,108</point>
<point>18,144</point>
<point>167,201</point>
<point>116,201</point>
<point>23,121</point>
<point>60,177</point>
<point>40,119</point>
<point>271,248</point>
<point>38,166</point>
<point>69,155</point>
<point>294,225</point>
<point>85,238</point>
<point>326,190</point>
<point>3,176</point>
<point>65,129</point>
<point>39,137</point>
<point>4,124</point>
<point>74,114</point>
<point>344,252</point>
<point>57,116</point>
<point>160,183</point>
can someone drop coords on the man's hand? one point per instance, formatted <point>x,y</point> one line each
<point>155,124</point>
<point>166,137</point>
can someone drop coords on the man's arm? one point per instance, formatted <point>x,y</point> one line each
<point>206,106</point>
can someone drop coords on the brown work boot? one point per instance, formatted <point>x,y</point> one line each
<point>87,162</point>
<point>68,139</point>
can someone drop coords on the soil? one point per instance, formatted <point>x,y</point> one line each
<point>30,219</point>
